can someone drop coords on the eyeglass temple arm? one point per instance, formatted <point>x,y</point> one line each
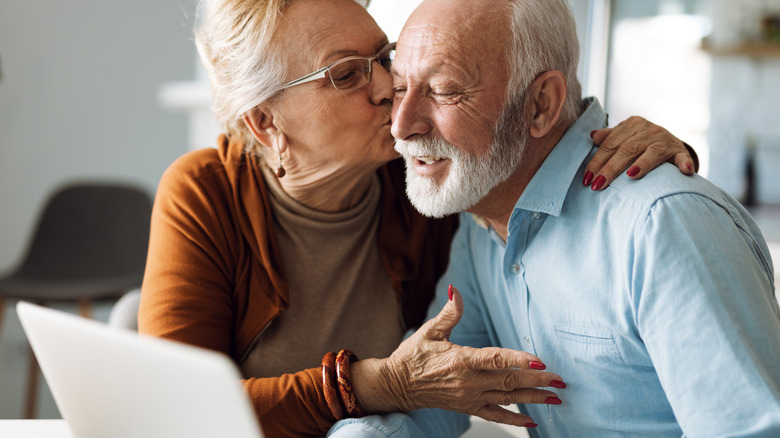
<point>313,76</point>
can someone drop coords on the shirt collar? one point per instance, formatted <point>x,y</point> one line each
<point>547,189</point>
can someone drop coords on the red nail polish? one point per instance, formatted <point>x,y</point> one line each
<point>530,425</point>
<point>689,166</point>
<point>553,401</point>
<point>536,365</point>
<point>633,171</point>
<point>588,178</point>
<point>449,292</point>
<point>557,384</point>
<point>600,180</point>
<point>592,133</point>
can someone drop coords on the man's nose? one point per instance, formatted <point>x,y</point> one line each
<point>410,116</point>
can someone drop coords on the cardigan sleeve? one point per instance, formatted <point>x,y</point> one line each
<point>291,405</point>
<point>196,285</point>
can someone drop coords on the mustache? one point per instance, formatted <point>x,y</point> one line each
<point>426,147</point>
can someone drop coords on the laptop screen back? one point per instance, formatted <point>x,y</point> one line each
<point>110,382</point>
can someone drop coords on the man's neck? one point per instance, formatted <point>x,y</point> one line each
<point>497,206</point>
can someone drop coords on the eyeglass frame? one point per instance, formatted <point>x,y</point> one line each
<point>320,74</point>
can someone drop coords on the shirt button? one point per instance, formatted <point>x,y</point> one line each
<point>516,268</point>
<point>527,341</point>
<point>536,215</point>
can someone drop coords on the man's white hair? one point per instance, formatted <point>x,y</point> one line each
<point>544,38</point>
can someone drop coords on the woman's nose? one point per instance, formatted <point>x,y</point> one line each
<point>381,83</point>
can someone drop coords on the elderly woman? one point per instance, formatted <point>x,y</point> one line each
<point>293,240</point>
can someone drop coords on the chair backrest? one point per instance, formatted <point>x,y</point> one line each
<point>124,313</point>
<point>90,230</point>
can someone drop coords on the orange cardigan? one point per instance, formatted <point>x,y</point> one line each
<point>214,277</point>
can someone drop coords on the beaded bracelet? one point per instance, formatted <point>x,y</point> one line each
<point>329,386</point>
<point>343,361</point>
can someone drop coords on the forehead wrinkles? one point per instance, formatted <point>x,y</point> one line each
<point>315,34</point>
<point>472,34</point>
<point>427,49</point>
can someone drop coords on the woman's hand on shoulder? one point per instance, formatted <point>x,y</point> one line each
<point>638,146</point>
<point>428,371</point>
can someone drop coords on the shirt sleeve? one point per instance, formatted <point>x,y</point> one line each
<point>420,423</point>
<point>703,296</point>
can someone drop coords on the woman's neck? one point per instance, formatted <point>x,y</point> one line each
<point>327,191</point>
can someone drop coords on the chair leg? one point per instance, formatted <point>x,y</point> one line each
<point>2,315</point>
<point>32,387</point>
<point>85,308</point>
<point>32,376</point>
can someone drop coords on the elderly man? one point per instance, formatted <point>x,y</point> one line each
<point>654,300</point>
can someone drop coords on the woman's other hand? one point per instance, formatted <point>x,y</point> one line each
<point>638,146</point>
<point>428,371</point>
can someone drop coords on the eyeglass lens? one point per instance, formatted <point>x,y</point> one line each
<point>352,74</point>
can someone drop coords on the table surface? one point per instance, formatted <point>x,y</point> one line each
<point>59,429</point>
<point>34,429</point>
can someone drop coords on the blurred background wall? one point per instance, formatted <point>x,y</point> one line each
<point>94,88</point>
<point>109,89</point>
<point>79,99</point>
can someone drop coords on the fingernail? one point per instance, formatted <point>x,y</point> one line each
<point>689,167</point>
<point>557,384</point>
<point>600,180</point>
<point>592,133</point>
<point>553,401</point>
<point>633,171</point>
<point>588,178</point>
<point>530,425</point>
<point>449,292</point>
<point>536,365</point>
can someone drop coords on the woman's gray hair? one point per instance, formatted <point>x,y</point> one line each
<point>244,66</point>
<point>544,38</point>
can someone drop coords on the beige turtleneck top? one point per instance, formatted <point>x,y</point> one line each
<point>341,295</point>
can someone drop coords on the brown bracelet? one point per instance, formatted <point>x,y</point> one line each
<point>344,378</point>
<point>330,387</point>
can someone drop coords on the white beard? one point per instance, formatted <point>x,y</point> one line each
<point>470,177</point>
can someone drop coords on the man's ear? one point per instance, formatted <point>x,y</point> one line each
<point>548,95</point>
<point>260,121</point>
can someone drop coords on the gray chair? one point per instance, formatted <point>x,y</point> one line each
<point>89,244</point>
<point>124,313</point>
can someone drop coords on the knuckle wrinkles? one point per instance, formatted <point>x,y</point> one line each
<point>608,145</point>
<point>655,130</point>
<point>460,389</point>
<point>507,399</point>
<point>497,361</point>
<point>510,382</point>
<point>658,150</point>
<point>630,148</point>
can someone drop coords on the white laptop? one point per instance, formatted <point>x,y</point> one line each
<point>110,382</point>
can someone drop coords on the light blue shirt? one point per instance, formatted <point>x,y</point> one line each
<point>653,300</point>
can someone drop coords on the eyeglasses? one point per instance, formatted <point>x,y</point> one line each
<point>350,73</point>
